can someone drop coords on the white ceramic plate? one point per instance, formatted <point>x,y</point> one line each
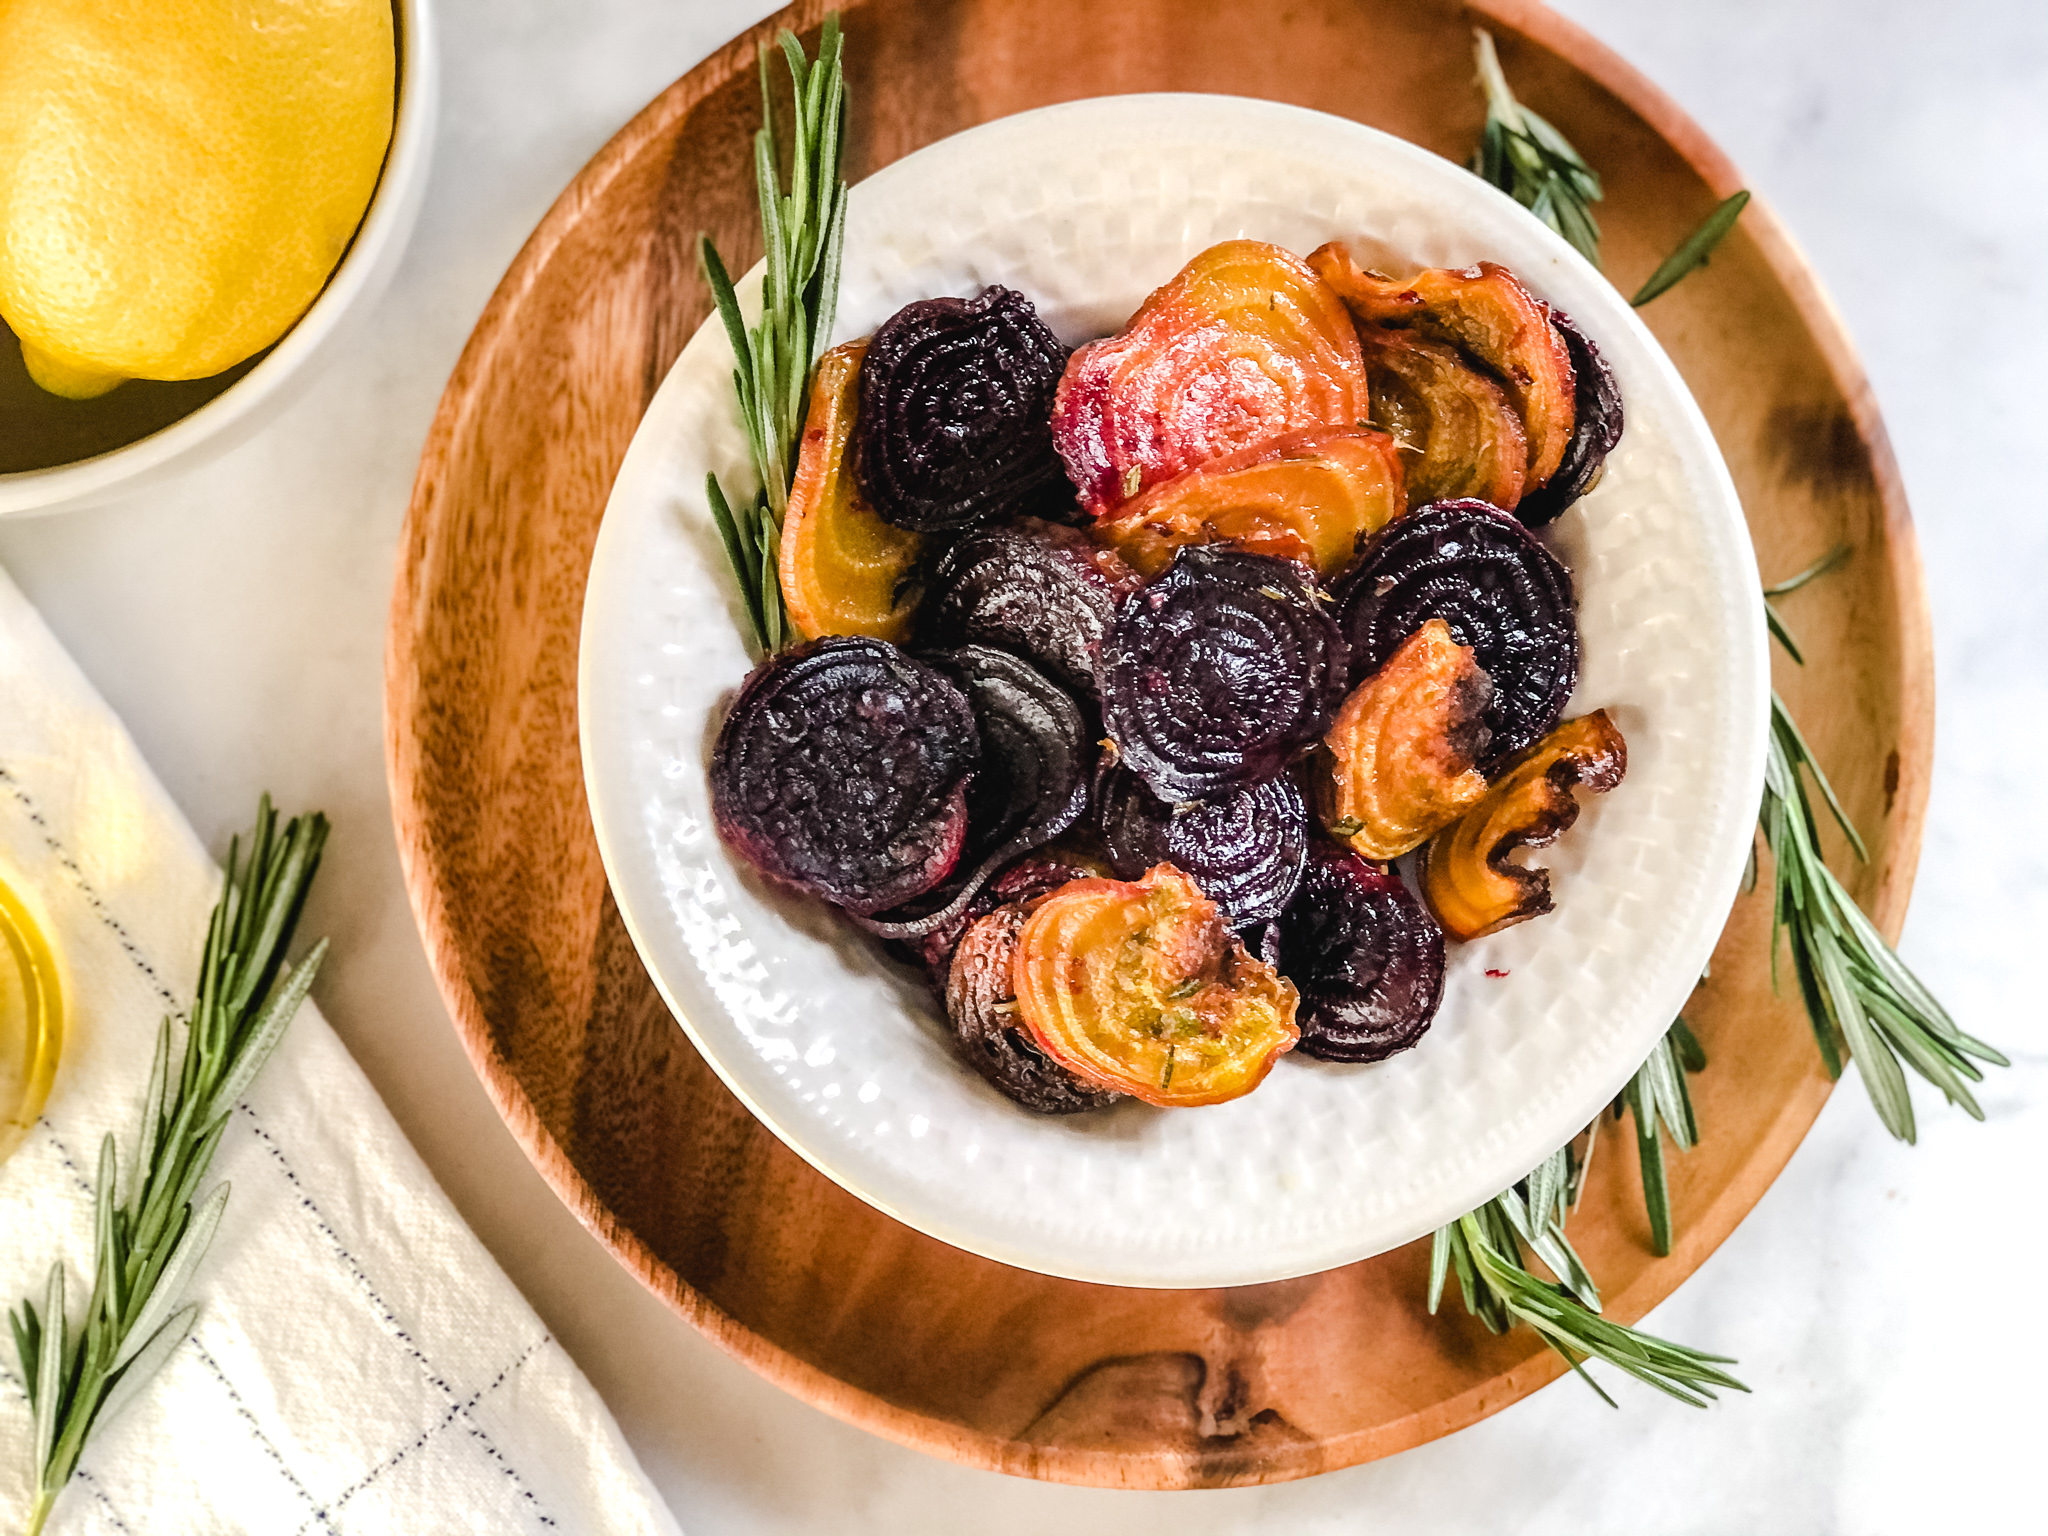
<point>1086,208</point>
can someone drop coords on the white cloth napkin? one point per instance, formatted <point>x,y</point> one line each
<point>360,1363</point>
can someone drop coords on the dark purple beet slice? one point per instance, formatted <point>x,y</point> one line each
<point>1366,957</point>
<point>981,1004</point>
<point>1219,671</point>
<point>842,769</point>
<point>955,423</point>
<point>1244,849</point>
<point>1499,590</point>
<point>1031,785</point>
<point>1031,877</point>
<point>1034,746</point>
<point>1595,431</point>
<point>1036,588</point>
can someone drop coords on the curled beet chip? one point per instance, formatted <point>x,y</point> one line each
<point>1501,593</point>
<point>1036,588</point>
<point>1244,849</point>
<point>842,769</point>
<point>1595,429</point>
<point>1033,745</point>
<point>981,1005</point>
<point>1218,672</point>
<point>955,424</point>
<point>1366,957</point>
<point>1031,786</point>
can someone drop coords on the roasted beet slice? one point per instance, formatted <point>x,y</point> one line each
<point>1036,588</point>
<point>1501,593</point>
<point>1244,344</point>
<point>955,424</point>
<point>981,1004</point>
<point>1400,758</point>
<point>1485,310</point>
<point>1031,786</point>
<point>844,571</point>
<point>1460,432</point>
<point>1365,956</point>
<point>1033,876</point>
<point>1312,496</point>
<point>1469,872</point>
<point>1034,745</point>
<point>1139,987</point>
<point>1595,431</point>
<point>842,769</point>
<point>1220,671</point>
<point>1244,849</point>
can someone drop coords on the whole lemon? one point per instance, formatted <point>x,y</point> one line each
<point>178,177</point>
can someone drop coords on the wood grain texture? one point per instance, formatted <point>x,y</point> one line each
<point>950,1353</point>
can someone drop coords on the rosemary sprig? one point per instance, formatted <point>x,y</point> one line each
<point>1523,155</point>
<point>1856,990</point>
<point>1531,161</point>
<point>1485,1248</point>
<point>1858,993</point>
<point>146,1248</point>
<point>802,232</point>
<point>1661,1103</point>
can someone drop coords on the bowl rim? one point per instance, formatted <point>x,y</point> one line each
<point>386,225</point>
<point>626,878</point>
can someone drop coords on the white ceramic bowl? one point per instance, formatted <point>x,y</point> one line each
<point>232,415</point>
<point>1086,208</point>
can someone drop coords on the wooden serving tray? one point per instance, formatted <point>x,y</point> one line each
<point>931,1346</point>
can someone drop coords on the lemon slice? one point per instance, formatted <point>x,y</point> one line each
<point>31,1021</point>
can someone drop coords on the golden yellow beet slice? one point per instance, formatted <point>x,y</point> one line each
<point>1459,428</point>
<point>844,571</point>
<point>1138,987</point>
<point>1485,310</point>
<point>1467,874</point>
<point>1312,496</point>
<point>1403,746</point>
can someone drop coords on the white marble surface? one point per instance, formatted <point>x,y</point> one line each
<point>1880,1297</point>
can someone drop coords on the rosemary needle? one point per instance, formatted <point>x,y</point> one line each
<point>1661,1103</point>
<point>146,1248</point>
<point>1693,250</point>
